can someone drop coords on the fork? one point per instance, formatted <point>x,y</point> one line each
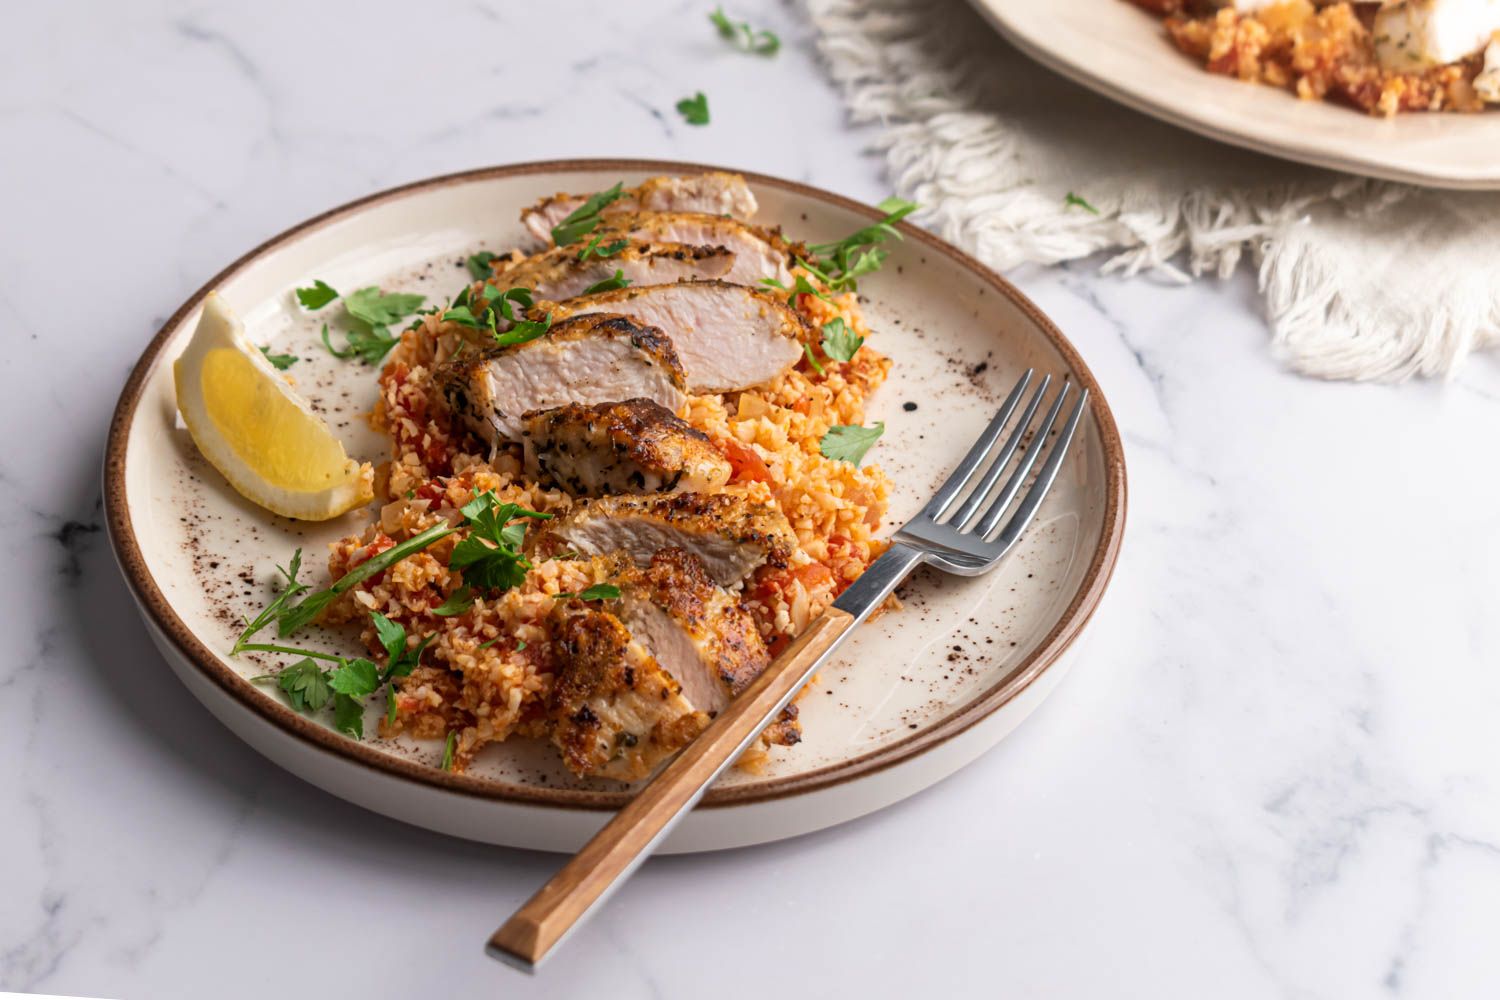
<point>952,536</point>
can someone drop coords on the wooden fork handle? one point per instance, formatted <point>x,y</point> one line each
<point>627,839</point>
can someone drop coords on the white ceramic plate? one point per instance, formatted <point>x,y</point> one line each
<point>1121,51</point>
<point>918,693</point>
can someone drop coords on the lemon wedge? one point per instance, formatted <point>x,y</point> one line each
<point>256,430</point>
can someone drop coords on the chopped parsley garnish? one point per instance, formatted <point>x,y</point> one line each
<point>458,602</point>
<point>839,265</point>
<point>595,250</point>
<point>618,280</point>
<point>849,442</point>
<point>490,558</point>
<point>369,313</point>
<point>812,359</point>
<point>390,705</point>
<point>839,342</point>
<point>370,346</point>
<point>400,661</point>
<point>281,362</point>
<point>305,685</point>
<point>585,218</point>
<point>479,264</point>
<point>598,592</point>
<point>447,764</point>
<point>694,110</point>
<point>1073,199</point>
<point>318,296</point>
<point>277,608</point>
<point>744,37</point>
<point>355,678</point>
<point>498,305</point>
<point>800,286</point>
<point>349,715</point>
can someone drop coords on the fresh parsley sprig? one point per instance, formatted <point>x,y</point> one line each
<point>840,264</point>
<point>694,110</point>
<point>742,36</point>
<point>839,342</point>
<point>598,592</point>
<point>595,250</point>
<point>490,558</point>
<point>479,264</point>
<point>278,607</point>
<point>849,442</point>
<point>499,304</point>
<point>610,284</point>
<point>281,362</point>
<point>369,313</point>
<point>586,217</point>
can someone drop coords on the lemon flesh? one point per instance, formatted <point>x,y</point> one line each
<point>256,430</point>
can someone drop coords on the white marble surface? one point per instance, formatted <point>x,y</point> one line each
<point>1273,775</point>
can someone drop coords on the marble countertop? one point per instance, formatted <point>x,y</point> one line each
<point>1273,773</point>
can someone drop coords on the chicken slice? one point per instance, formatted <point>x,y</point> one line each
<point>713,193</point>
<point>588,359</point>
<point>616,713</point>
<point>727,336</point>
<point>694,628</point>
<point>730,534</point>
<point>637,446</point>
<point>759,253</point>
<point>559,274</point>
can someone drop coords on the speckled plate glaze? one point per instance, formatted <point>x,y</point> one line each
<point>918,694</point>
<point>1121,51</point>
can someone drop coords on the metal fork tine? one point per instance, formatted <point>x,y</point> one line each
<point>955,482</point>
<point>1023,467</point>
<point>976,499</point>
<point>1038,492</point>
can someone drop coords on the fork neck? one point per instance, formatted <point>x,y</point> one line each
<point>876,583</point>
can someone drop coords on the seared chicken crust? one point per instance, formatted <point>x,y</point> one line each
<point>637,446</point>
<point>759,253</point>
<point>730,534</point>
<point>559,273</point>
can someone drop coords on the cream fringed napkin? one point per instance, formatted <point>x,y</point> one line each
<point>1362,279</point>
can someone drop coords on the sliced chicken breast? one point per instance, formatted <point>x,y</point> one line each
<point>727,336</point>
<point>588,359</point>
<point>616,713</point>
<point>637,446</point>
<point>758,253</point>
<point>694,628</point>
<point>559,274</point>
<point>731,535</point>
<point>713,193</point>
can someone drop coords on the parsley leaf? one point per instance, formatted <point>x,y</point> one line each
<point>839,342</point>
<point>447,764</point>
<point>278,607</point>
<point>849,442</point>
<point>744,37</point>
<point>479,264</point>
<point>598,592</point>
<point>305,684</point>
<point>1073,199</point>
<point>608,284</point>
<point>840,264</point>
<point>316,297</point>
<point>694,110</point>
<point>281,362</point>
<point>400,661</point>
<point>458,602</point>
<point>376,308</point>
<point>369,345</point>
<point>585,218</point>
<point>595,250</point>
<point>490,558</point>
<point>355,678</point>
<point>390,705</point>
<point>349,715</point>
